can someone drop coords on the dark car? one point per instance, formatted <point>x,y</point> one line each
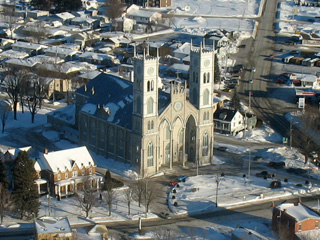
<point>173,183</point>
<point>263,174</point>
<point>275,184</point>
<point>300,171</point>
<point>182,178</point>
<point>277,165</point>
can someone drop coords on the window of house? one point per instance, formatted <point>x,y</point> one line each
<point>66,175</point>
<point>150,154</point>
<point>152,125</point>
<point>83,172</point>
<point>90,171</point>
<point>204,78</point>
<point>317,224</point>
<point>208,77</point>
<point>75,174</point>
<point>300,227</point>
<point>59,176</point>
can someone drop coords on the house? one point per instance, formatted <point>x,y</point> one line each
<point>37,14</point>
<point>182,51</point>
<point>228,121</point>
<point>104,60</point>
<point>150,3</point>
<point>6,43</point>
<point>52,228</point>
<point>143,16</point>
<point>30,48</point>
<point>289,219</point>
<point>64,17</point>
<point>63,53</point>
<point>123,24</point>
<point>86,22</point>
<point>66,170</point>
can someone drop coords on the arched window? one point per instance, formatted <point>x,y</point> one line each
<point>205,144</point>
<point>152,85</point>
<point>192,136</point>
<point>168,132</point>
<point>196,77</point>
<point>152,125</point>
<point>206,97</point>
<point>148,86</point>
<point>167,153</point>
<point>149,125</point>
<point>150,154</point>
<point>208,77</point>
<point>138,106</point>
<point>204,78</point>
<point>150,106</point>
<point>181,136</point>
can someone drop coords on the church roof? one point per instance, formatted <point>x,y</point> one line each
<point>115,96</point>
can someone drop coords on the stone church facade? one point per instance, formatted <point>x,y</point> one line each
<point>138,123</point>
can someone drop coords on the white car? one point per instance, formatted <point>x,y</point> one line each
<point>253,69</point>
<point>165,215</point>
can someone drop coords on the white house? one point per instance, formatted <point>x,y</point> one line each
<point>143,16</point>
<point>228,121</point>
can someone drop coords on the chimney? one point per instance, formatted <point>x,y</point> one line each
<point>45,151</point>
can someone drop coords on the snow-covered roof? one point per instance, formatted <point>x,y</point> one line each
<point>60,51</point>
<point>179,67</point>
<point>13,54</point>
<point>14,151</point>
<point>298,211</point>
<point>96,56</point>
<point>141,13</point>
<point>22,62</point>
<point>65,159</point>
<point>184,48</point>
<point>59,225</point>
<point>65,15</point>
<point>27,45</point>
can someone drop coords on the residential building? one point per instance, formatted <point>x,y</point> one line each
<point>228,121</point>
<point>52,228</point>
<point>143,16</point>
<point>137,123</point>
<point>288,219</point>
<point>30,48</point>
<point>66,170</point>
<point>150,3</point>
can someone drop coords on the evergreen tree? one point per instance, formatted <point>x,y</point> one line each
<point>217,75</point>
<point>3,175</point>
<point>4,185</point>
<point>25,193</point>
<point>107,181</point>
<point>42,4</point>
<point>235,101</point>
<point>67,5</point>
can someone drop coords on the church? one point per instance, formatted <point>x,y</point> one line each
<point>140,124</point>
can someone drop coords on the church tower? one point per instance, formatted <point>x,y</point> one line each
<point>145,110</point>
<point>201,77</point>
<point>201,92</point>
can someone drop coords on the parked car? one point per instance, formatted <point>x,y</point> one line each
<point>300,171</point>
<point>182,178</point>
<point>263,174</point>
<point>165,215</point>
<point>173,183</point>
<point>223,149</point>
<point>253,69</point>
<point>277,165</point>
<point>275,184</point>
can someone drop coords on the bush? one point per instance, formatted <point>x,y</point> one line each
<point>173,197</point>
<point>177,185</point>
<point>174,191</point>
<point>175,204</point>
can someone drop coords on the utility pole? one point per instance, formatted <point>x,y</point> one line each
<point>249,170</point>
<point>217,189</point>
<point>291,133</point>
<point>146,192</point>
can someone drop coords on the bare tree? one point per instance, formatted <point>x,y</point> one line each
<point>110,196</point>
<point>4,115</point>
<point>86,198</point>
<point>151,194</point>
<point>38,31</point>
<point>9,17</point>
<point>305,134</point>
<point>114,8</point>
<point>13,80</point>
<point>139,190</point>
<point>128,197</point>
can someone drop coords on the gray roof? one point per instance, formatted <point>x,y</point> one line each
<point>116,94</point>
<point>224,114</point>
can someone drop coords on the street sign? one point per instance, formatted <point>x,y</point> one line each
<point>301,103</point>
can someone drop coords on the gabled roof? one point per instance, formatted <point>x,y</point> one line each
<point>224,114</point>
<point>65,159</point>
<point>299,211</point>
